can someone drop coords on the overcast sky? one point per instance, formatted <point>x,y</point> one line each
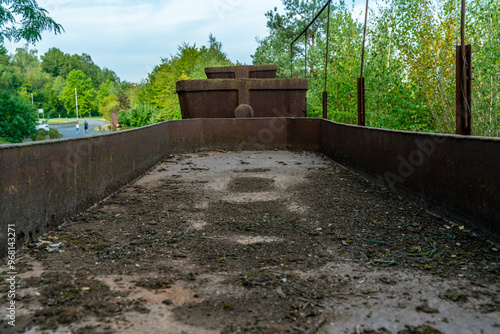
<point>130,37</point>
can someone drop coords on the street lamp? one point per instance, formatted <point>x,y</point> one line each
<point>76,100</point>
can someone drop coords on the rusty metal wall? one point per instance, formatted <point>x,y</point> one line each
<point>41,184</point>
<point>218,98</point>
<point>454,176</point>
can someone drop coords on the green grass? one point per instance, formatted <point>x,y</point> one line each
<point>59,121</point>
<point>68,120</point>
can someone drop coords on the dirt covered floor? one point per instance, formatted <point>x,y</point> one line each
<point>256,242</point>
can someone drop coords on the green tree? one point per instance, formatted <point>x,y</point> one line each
<point>159,89</point>
<point>24,20</point>
<point>17,118</point>
<point>392,100</point>
<point>56,63</point>
<point>86,94</point>
<point>141,115</point>
<point>283,29</point>
<point>345,46</point>
<point>108,105</point>
<point>4,57</point>
<point>105,89</point>
<point>25,59</point>
<point>485,39</point>
<point>51,103</point>
<point>10,78</point>
<point>416,90</point>
<point>409,61</point>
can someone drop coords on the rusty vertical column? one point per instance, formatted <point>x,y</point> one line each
<point>463,82</point>
<point>325,105</point>
<point>325,93</point>
<point>463,91</point>
<point>361,80</point>
<point>305,55</point>
<point>361,101</point>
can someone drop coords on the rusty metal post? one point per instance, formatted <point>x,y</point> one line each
<point>361,80</point>
<point>463,82</point>
<point>325,105</point>
<point>325,93</point>
<point>305,55</point>
<point>361,101</point>
<point>463,91</point>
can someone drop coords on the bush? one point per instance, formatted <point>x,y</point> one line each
<point>17,118</point>
<point>139,116</point>
<point>54,134</point>
<point>124,117</point>
<point>39,135</point>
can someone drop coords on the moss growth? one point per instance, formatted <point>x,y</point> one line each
<point>99,287</point>
<point>70,293</point>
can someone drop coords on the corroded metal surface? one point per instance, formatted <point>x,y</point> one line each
<point>454,176</point>
<point>242,72</point>
<point>361,102</point>
<point>219,98</point>
<point>463,91</point>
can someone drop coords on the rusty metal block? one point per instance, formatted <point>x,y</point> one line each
<point>242,72</point>
<point>219,98</point>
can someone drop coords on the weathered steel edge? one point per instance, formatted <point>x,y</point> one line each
<point>244,67</point>
<point>42,184</point>
<point>235,84</point>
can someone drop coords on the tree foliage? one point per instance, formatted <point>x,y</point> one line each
<point>17,118</point>
<point>84,91</point>
<point>24,20</point>
<point>24,73</point>
<point>409,62</point>
<point>47,83</point>
<point>142,114</point>
<point>159,89</point>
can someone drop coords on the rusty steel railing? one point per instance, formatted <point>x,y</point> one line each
<point>304,32</point>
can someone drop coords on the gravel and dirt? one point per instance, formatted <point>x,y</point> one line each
<point>256,242</point>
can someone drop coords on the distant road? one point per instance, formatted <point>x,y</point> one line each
<point>71,132</point>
